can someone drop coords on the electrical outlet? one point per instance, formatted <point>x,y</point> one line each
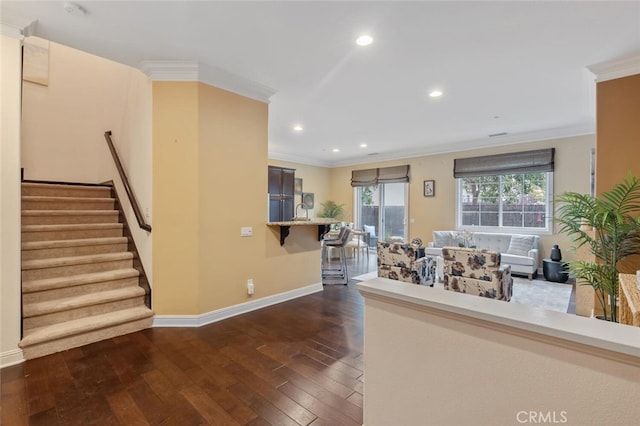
<point>250,286</point>
<point>246,231</point>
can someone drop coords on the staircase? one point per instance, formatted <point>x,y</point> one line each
<point>79,285</point>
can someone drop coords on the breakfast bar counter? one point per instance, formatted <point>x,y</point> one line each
<point>323,226</point>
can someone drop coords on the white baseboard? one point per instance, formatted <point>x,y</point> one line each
<point>12,357</point>
<point>231,311</point>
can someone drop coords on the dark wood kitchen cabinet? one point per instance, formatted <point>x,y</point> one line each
<point>281,183</point>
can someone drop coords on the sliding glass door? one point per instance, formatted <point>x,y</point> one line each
<point>384,207</point>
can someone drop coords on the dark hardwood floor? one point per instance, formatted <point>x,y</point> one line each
<point>298,362</point>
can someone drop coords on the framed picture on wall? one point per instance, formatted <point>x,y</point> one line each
<point>308,200</point>
<point>297,186</point>
<point>429,188</point>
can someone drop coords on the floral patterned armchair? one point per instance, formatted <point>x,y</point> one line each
<point>478,272</point>
<point>400,261</point>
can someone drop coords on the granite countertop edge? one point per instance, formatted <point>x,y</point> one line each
<point>304,222</point>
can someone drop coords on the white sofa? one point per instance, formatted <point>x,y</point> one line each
<point>518,250</point>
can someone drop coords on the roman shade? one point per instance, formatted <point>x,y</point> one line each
<point>540,160</point>
<point>369,177</point>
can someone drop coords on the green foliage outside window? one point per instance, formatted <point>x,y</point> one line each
<point>367,194</point>
<point>514,188</point>
<point>513,200</point>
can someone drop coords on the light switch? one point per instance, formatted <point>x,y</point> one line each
<point>246,231</point>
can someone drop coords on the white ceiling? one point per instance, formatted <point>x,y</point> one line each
<point>515,67</point>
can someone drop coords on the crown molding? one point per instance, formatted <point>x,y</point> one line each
<point>611,70</point>
<point>234,83</point>
<point>17,30</point>
<point>461,146</point>
<point>298,159</point>
<point>194,71</point>
<point>170,70</point>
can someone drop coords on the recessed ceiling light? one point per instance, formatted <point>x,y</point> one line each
<point>363,145</point>
<point>364,40</point>
<point>435,93</point>
<point>335,150</point>
<point>298,128</point>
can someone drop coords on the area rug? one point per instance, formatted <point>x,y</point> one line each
<point>367,276</point>
<point>537,293</point>
<point>541,294</point>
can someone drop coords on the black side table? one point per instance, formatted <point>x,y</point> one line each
<point>555,271</point>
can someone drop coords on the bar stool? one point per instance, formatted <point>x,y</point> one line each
<point>331,237</point>
<point>335,275</point>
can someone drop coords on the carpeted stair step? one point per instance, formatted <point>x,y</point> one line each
<point>65,190</point>
<point>78,281</point>
<point>70,232</point>
<point>70,334</point>
<point>61,217</point>
<point>30,202</point>
<point>65,266</point>
<point>67,248</point>
<point>76,285</point>
<point>40,314</point>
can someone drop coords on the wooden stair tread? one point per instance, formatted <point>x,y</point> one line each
<point>67,199</point>
<point>36,245</point>
<point>93,187</point>
<point>83,325</point>
<point>69,212</point>
<point>74,260</point>
<point>33,286</point>
<point>74,302</point>
<point>69,227</point>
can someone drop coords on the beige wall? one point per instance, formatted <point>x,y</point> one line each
<point>618,130</point>
<point>572,160</point>
<point>10,75</point>
<point>209,180</point>
<point>617,150</point>
<point>64,123</point>
<point>448,366</point>
<point>175,198</point>
<point>618,139</point>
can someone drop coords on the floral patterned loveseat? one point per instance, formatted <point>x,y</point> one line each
<point>477,272</point>
<point>403,262</point>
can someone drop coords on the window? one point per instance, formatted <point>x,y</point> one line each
<point>506,191</point>
<point>380,200</point>
<point>382,207</point>
<point>520,200</point>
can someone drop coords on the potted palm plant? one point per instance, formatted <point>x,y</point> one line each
<point>331,210</point>
<point>610,227</point>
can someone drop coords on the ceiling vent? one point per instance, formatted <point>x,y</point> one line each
<point>74,9</point>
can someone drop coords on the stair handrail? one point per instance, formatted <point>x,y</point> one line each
<point>125,181</point>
